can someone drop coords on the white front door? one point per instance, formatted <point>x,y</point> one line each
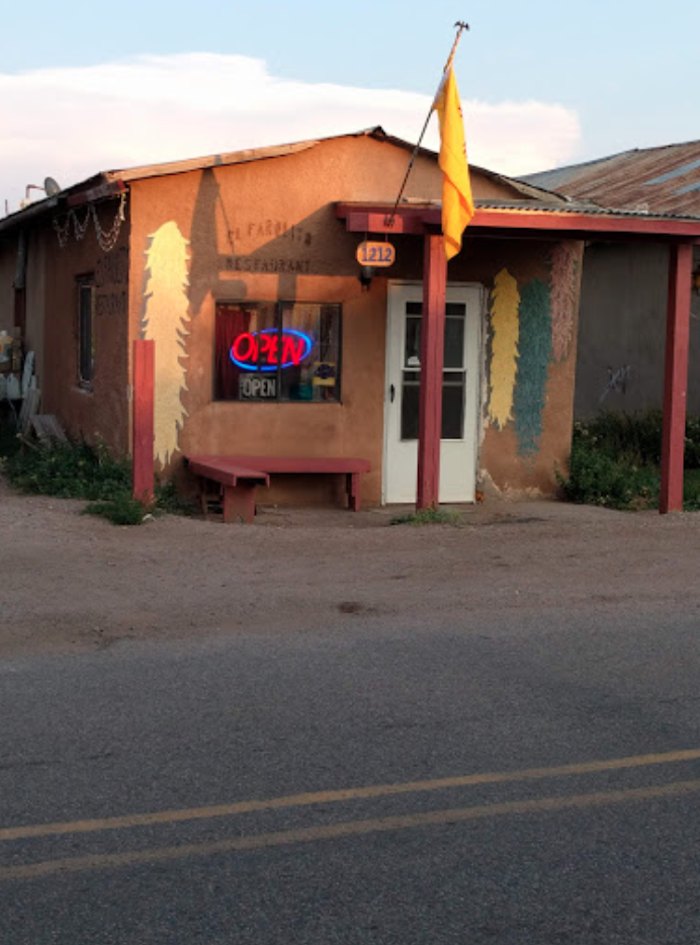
<point>460,393</point>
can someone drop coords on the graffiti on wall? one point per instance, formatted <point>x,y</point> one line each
<point>617,381</point>
<point>505,328</point>
<point>166,321</point>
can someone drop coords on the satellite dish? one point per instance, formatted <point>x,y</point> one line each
<point>51,187</point>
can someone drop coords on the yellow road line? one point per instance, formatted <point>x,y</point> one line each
<point>344,794</point>
<point>351,828</point>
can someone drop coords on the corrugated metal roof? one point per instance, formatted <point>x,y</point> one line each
<point>586,207</point>
<point>662,180</point>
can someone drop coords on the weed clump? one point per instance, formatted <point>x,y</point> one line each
<point>69,471</point>
<point>615,461</point>
<point>82,471</point>
<point>427,517</point>
<point>122,509</point>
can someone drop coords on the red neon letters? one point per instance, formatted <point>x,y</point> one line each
<point>266,351</point>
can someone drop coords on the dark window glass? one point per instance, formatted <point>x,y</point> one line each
<point>454,375</point>
<point>453,406</point>
<point>289,351</point>
<point>86,314</point>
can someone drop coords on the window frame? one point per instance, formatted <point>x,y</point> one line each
<point>85,285</point>
<point>279,308</point>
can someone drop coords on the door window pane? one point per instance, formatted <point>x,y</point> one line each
<point>453,407</point>
<point>409,405</point>
<point>454,340</point>
<point>453,377</point>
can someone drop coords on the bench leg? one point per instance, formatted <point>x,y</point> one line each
<point>239,503</point>
<point>206,495</point>
<point>353,490</point>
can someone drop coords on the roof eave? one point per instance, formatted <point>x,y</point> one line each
<point>378,218</point>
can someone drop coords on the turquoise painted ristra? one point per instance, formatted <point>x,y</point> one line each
<point>535,347</point>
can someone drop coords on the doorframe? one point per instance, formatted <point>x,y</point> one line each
<point>418,283</point>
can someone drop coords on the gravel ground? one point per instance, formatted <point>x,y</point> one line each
<point>71,581</point>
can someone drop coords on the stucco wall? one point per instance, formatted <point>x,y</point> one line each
<point>40,240</point>
<point>8,263</point>
<point>267,231</point>
<point>529,358</point>
<point>101,412</point>
<point>622,331</point>
<point>264,232</point>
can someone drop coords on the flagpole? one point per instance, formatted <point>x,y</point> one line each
<point>460,26</point>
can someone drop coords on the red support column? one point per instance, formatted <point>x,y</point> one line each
<point>676,378</point>
<point>143,409</point>
<point>432,345</point>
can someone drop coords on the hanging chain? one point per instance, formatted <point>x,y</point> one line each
<point>106,239</point>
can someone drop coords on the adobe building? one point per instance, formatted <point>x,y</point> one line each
<point>272,335</point>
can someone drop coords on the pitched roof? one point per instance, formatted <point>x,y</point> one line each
<point>662,180</point>
<point>107,183</point>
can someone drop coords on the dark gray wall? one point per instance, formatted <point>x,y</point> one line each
<point>622,330</point>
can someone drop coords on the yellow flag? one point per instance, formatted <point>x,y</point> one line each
<point>457,202</point>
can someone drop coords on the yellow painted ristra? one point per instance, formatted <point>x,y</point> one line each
<point>165,321</point>
<point>505,328</point>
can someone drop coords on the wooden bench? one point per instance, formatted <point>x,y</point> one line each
<point>241,475</point>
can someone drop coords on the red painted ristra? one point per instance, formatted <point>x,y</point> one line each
<point>676,378</point>
<point>432,345</point>
<point>143,409</point>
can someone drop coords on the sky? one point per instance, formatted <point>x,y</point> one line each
<point>87,86</point>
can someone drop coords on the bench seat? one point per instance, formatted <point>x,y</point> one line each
<point>240,475</point>
<point>238,482</point>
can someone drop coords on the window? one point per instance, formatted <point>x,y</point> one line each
<point>86,316</point>
<point>284,351</point>
<point>454,374</point>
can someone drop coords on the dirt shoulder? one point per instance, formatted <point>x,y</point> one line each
<point>71,581</point>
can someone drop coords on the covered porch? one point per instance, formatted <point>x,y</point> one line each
<point>538,223</point>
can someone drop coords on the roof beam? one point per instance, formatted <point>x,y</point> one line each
<point>375,218</point>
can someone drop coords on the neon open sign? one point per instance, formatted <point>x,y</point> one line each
<point>270,349</point>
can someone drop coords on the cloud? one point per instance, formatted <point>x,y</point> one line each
<point>70,123</point>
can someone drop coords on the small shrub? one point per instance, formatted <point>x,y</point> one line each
<point>69,471</point>
<point>691,490</point>
<point>615,461</point>
<point>614,481</point>
<point>121,509</point>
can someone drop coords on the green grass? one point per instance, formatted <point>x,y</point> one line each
<point>615,462</point>
<point>428,517</point>
<point>122,509</point>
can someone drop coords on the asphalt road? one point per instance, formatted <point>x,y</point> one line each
<point>503,779</point>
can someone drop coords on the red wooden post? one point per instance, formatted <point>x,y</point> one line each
<point>432,344</point>
<point>676,377</point>
<point>143,409</point>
